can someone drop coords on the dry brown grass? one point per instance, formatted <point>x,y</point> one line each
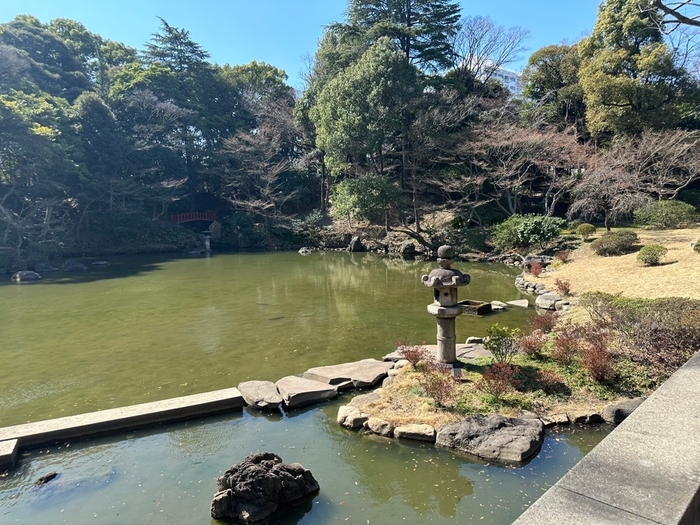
<point>677,276</point>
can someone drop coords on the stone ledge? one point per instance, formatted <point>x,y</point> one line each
<point>121,419</point>
<point>648,467</point>
<point>8,453</point>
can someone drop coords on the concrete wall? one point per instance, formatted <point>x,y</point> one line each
<point>647,471</point>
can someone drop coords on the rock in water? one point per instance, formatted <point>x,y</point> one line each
<point>254,489</point>
<point>493,437</point>
<point>25,275</point>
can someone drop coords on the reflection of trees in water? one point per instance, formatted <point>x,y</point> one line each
<point>422,477</point>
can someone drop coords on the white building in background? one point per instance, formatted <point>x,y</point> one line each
<point>509,79</point>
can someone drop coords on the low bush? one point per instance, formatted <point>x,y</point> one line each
<point>614,243</point>
<point>413,353</point>
<point>532,343</point>
<point>544,322</point>
<point>696,246</point>
<point>499,379</point>
<point>562,255</point>
<point>651,254</point>
<point>597,361</point>
<point>536,268</point>
<point>518,231</point>
<point>585,230</point>
<point>565,347</point>
<point>500,341</point>
<point>538,229</point>
<point>660,334</point>
<point>437,382</point>
<point>563,286</point>
<point>664,215</point>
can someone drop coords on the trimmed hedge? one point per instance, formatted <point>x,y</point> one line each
<point>651,254</point>
<point>615,243</point>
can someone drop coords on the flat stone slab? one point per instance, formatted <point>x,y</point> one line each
<point>8,454</point>
<point>262,395</point>
<point>358,374</point>
<point>125,418</point>
<point>415,431</point>
<point>522,303</point>
<point>493,437</point>
<point>363,399</point>
<point>297,392</point>
<point>464,351</point>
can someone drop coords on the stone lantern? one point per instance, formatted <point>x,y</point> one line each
<point>444,281</point>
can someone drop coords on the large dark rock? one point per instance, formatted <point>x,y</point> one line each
<point>74,266</point>
<point>255,488</point>
<point>25,275</point>
<point>618,412</point>
<point>493,437</point>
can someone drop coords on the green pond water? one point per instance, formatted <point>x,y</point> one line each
<point>148,328</point>
<point>151,328</point>
<point>168,475</point>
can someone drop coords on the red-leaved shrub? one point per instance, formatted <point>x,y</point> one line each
<point>532,343</point>
<point>563,255</point>
<point>536,268</point>
<point>413,353</point>
<point>597,361</point>
<point>563,286</point>
<point>544,322</point>
<point>499,379</point>
<point>437,382</point>
<point>565,346</point>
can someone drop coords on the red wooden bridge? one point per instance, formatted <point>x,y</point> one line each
<point>193,216</point>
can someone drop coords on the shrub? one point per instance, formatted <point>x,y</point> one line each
<point>597,361</point>
<point>505,234</point>
<point>532,343</point>
<point>498,379</point>
<point>565,347</point>
<point>563,255</point>
<point>614,243</point>
<point>413,353</point>
<point>573,224</point>
<point>663,215</point>
<point>661,334</point>
<point>696,246</point>
<point>651,254</point>
<point>536,268</point>
<point>538,229</point>
<point>544,322</point>
<point>563,286</point>
<point>585,230</point>
<point>551,382</point>
<point>500,341</point>
<point>437,382</point>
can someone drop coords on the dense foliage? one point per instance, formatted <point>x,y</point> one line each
<point>400,118</point>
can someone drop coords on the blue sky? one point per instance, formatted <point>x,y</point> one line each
<point>283,32</point>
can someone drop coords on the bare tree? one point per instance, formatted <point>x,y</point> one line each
<point>664,162</point>
<point>675,12</point>
<point>481,47</point>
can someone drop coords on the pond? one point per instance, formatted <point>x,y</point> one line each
<point>168,475</point>
<point>151,328</point>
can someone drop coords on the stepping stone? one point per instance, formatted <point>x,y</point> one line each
<point>415,431</point>
<point>262,395</point>
<point>472,351</point>
<point>522,303</point>
<point>359,374</point>
<point>297,392</point>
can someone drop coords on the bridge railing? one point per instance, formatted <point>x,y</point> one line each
<point>193,216</point>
